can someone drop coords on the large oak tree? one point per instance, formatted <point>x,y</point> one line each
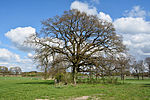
<point>79,38</point>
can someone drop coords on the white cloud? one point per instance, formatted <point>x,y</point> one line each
<point>136,32</point>
<point>136,35</point>
<point>7,56</point>
<point>83,7</point>
<point>90,10</point>
<point>136,11</point>
<point>137,40</point>
<point>104,16</point>
<point>131,25</point>
<point>9,59</point>
<point>139,44</point>
<point>19,35</point>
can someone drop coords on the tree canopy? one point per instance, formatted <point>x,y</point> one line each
<point>80,38</point>
<point>3,70</point>
<point>15,70</point>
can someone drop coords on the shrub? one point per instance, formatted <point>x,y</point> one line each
<point>63,77</point>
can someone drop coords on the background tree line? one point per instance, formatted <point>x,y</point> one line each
<point>11,71</point>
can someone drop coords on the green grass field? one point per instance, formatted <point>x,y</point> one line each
<point>18,88</point>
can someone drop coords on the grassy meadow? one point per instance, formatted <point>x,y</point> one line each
<point>19,88</point>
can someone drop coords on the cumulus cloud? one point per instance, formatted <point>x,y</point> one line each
<point>83,7</point>
<point>19,35</point>
<point>136,35</point>
<point>138,43</point>
<point>136,11</point>
<point>104,16</point>
<point>90,10</point>
<point>10,59</point>
<point>7,56</point>
<point>136,32</point>
<point>130,25</point>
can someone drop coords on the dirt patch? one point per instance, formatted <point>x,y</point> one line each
<point>93,97</point>
<point>80,98</point>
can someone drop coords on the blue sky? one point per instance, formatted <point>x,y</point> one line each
<point>18,18</point>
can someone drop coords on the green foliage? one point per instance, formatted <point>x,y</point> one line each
<point>67,78</point>
<point>63,77</point>
<point>59,77</point>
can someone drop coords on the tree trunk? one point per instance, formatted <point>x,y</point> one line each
<point>142,76</point>
<point>122,74</point>
<point>74,75</point>
<point>149,72</point>
<point>45,73</point>
<point>138,76</point>
<point>122,77</point>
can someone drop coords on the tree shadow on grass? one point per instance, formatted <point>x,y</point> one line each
<point>132,79</point>
<point>45,82</point>
<point>146,85</point>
